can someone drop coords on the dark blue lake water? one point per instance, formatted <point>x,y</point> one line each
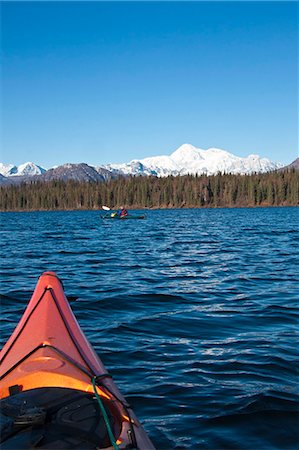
<point>194,312</point>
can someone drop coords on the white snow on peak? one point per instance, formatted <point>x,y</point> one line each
<point>188,159</point>
<point>7,169</point>
<point>186,153</point>
<point>66,165</point>
<point>28,168</point>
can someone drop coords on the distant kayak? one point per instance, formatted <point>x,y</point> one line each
<point>55,391</point>
<point>117,217</point>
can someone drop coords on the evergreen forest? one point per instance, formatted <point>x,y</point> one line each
<point>221,190</point>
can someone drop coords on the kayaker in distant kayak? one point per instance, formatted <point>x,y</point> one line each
<point>122,212</point>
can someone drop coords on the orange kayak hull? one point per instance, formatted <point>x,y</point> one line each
<point>48,349</point>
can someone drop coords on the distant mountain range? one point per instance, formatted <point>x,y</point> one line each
<point>76,172</point>
<point>187,159</point>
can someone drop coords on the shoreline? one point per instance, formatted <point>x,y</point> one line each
<point>135,208</point>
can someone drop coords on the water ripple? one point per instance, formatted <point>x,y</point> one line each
<point>194,312</point>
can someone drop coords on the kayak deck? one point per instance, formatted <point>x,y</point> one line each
<point>55,418</point>
<point>47,354</point>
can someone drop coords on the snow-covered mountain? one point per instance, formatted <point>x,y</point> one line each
<point>188,159</point>
<point>28,168</point>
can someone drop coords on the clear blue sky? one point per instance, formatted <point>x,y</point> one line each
<point>101,82</point>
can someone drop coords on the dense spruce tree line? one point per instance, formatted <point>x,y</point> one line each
<point>222,190</point>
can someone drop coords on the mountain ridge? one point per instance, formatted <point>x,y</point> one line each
<point>186,159</point>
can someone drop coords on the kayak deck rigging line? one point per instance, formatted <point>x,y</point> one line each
<point>48,356</point>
